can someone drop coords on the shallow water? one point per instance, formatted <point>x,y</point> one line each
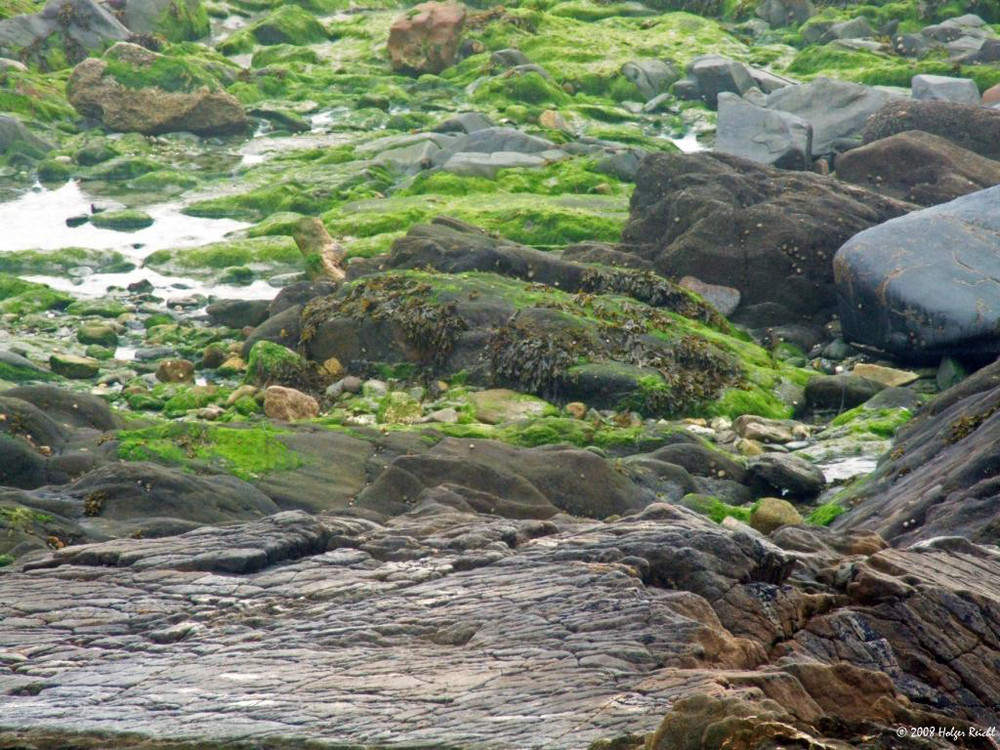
<point>37,221</point>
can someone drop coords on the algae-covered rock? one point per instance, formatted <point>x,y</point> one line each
<point>176,20</point>
<point>771,513</point>
<point>74,367</point>
<point>129,220</point>
<point>425,39</point>
<point>499,405</point>
<point>132,89</point>
<point>61,34</point>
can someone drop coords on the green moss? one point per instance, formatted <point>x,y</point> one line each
<point>99,308</point>
<point>246,453</point>
<point>183,20</point>
<point>162,180</point>
<point>734,403</point>
<point>288,24</point>
<point>127,220</point>
<point>35,96</point>
<point>716,509</point>
<point>824,514</point>
<point>12,373</point>
<point>271,363</point>
<point>21,297</point>
<point>11,8</point>
<point>170,72</point>
<point>284,54</point>
<point>188,398</point>
<point>260,253</point>
<point>882,423</point>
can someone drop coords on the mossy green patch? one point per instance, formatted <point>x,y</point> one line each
<point>824,514</point>
<point>247,453</point>
<point>168,71</point>
<point>883,423</point>
<point>262,252</point>
<point>288,24</point>
<point>716,509</point>
<point>182,20</point>
<point>23,297</point>
<point>126,220</point>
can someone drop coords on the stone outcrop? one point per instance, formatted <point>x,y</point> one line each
<point>425,39</point>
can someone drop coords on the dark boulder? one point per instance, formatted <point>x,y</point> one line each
<point>770,234</point>
<point>967,125</point>
<point>918,167</point>
<point>925,285</point>
<point>237,313</point>
<point>68,408</point>
<point>839,392</point>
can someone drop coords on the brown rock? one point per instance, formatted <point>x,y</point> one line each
<point>772,513</point>
<point>553,121</point>
<point>970,126</point>
<point>918,167</point>
<point>425,39</point>
<point>725,299</point>
<point>576,409</point>
<point>175,371</point>
<point>991,96</point>
<point>887,376</point>
<point>288,404</point>
<point>333,368</point>
<point>324,256</point>
<point>94,92</point>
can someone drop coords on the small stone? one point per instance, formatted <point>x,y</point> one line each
<point>749,447</point>
<point>210,413</point>
<point>950,372</point>
<point>242,391</point>
<point>887,376</point>
<point>232,365</point>
<point>333,368</point>
<point>375,389</point>
<point>444,416</point>
<point>576,409</point>
<point>288,404</point>
<point>351,384</point>
<point>399,407</point>
<point>772,513</point>
<point>499,405</point>
<point>74,367</point>
<point>553,121</point>
<point>97,333</point>
<point>175,371</point>
<point>213,356</point>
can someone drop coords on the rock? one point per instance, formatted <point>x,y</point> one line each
<point>839,392</point>
<point>651,77</point>
<point>426,38</point>
<point>175,371</point>
<point>991,97</point>
<point>764,430</point>
<point>771,513</point>
<point>70,409</point>
<point>944,88</point>
<point>967,125</point>
<point>715,74</point>
<point>238,313</point>
<point>489,165</point>
<point>918,167</point>
<point>769,233</point>
<point>399,407</point>
<point>74,367</point>
<point>950,372</point>
<point>789,474</point>
<point>770,137</point>
<point>465,122</point>
<point>577,409</point>
<point>97,333</point>
<point>282,328</point>
<point>72,28</point>
<point>509,58</point>
<point>17,369</point>
<point>127,220</point>
<point>920,286</point>
<point>836,109</point>
<point>177,20</point>
<point>288,404</point>
<point>500,405</point>
<point>157,105</point>
<point>323,255</point>
<point>725,299</point>
<point>856,28</point>
<point>13,131</point>
<point>887,376</point>
<point>779,13</point>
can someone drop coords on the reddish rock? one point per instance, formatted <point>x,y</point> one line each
<point>288,404</point>
<point>425,39</point>
<point>991,96</point>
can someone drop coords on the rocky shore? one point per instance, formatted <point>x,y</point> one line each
<point>560,374</point>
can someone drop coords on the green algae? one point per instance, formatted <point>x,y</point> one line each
<point>260,252</point>
<point>22,297</point>
<point>245,453</point>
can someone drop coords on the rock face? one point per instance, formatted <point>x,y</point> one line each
<point>944,88</point>
<point>128,91</point>
<point>177,20</point>
<point>686,614</point>
<point>938,481</point>
<point>770,234</point>
<point>76,26</point>
<point>974,128</point>
<point>918,167</point>
<point>837,110</point>
<point>426,38</point>
<point>774,138</point>
<point>13,131</point>
<point>924,285</point>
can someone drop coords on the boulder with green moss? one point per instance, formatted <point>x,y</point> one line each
<point>176,20</point>
<point>131,89</point>
<point>60,34</point>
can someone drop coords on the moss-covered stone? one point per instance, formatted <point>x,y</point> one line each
<point>288,24</point>
<point>128,220</point>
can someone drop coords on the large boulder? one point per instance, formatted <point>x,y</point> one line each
<point>14,134</point>
<point>425,39</point>
<point>967,125</point>
<point>64,32</point>
<point>785,12</point>
<point>918,167</point>
<point>767,136</point>
<point>945,88</point>
<point>769,233</point>
<point>177,20</point>
<point>132,89</point>
<point>837,110</point>
<point>924,285</point>
<point>713,74</point>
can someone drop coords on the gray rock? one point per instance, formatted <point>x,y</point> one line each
<point>488,165</point>
<point>651,77</point>
<point>835,109</point>
<point>464,122</point>
<point>90,27</point>
<point>622,164</point>
<point>945,88</point>
<point>13,131</point>
<point>237,313</point>
<point>786,12</point>
<point>767,136</point>
<point>791,475</point>
<point>923,286</point>
<point>715,74</point>
<point>509,58</point>
<point>856,28</point>
<point>839,392</point>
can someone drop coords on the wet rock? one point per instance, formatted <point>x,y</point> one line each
<point>836,109</point>
<point>18,369</point>
<point>238,313</point>
<point>919,167</point>
<point>426,38</point>
<point>771,513</point>
<point>856,28</point>
<point>288,404</point>
<point>839,392</point>
<point>729,221</point>
<point>499,405</point>
<point>780,13</point>
<point>714,74</point>
<point>74,367</point>
<point>890,377</point>
<point>282,328</point>
<point>651,77</point>
<point>97,333</point>
<point>324,256</point>
<point>157,106</point>
<point>178,20</point>
<point>770,137</point>
<point>13,131</point>
<point>175,371</point>
<point>70,409</point>
<point>789,474</point>
<point>77,26</point>
<point>944,88</point>
<point>967,125</point>
<point>919,287</point>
